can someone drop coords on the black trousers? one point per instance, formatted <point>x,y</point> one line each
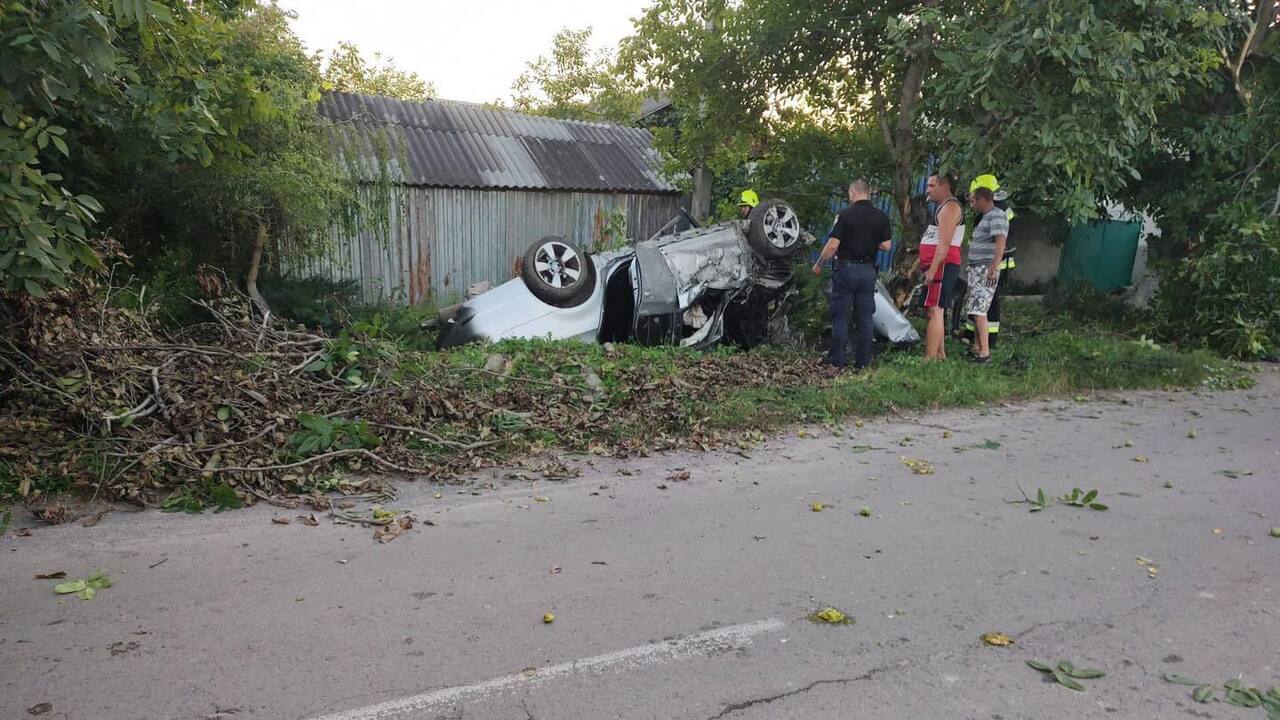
<point>853,294</point>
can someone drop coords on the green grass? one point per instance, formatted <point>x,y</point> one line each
<point>1035,358</point>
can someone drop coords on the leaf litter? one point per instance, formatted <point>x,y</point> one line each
<point>238,411</point>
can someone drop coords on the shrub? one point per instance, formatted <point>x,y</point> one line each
<point>165,284</point>
<point>1087,305</point>
<point>1226,294</point>
<point>314,302</point>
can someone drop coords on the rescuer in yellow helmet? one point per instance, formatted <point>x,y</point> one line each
<point>746,202</point>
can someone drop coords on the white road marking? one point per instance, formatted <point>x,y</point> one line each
<point>702,643</point>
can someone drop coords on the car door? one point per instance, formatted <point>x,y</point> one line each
<point>657,298</point>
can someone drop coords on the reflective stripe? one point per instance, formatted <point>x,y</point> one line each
<point>1008,264</point>
<point>992,327</point>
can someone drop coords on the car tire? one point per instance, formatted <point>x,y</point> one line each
<point>558,272</point>
<point>773,229</point>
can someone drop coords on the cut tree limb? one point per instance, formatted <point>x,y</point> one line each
<point>255,264</point>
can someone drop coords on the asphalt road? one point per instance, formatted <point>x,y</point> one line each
<point>691,601</point>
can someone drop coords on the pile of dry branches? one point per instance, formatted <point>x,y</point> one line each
<point>97,394</point>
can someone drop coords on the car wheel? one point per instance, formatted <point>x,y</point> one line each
<point>558,272</point>
<point>773,229</point>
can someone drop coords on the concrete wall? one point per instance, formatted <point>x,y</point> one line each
<point>1038,241</point>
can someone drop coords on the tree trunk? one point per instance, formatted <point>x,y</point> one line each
<point>255,263</point>
<point>903,149</point>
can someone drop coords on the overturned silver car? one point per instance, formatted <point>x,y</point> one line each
<point>727,282</point>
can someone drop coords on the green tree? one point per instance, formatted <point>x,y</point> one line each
<point>348,71</point>
<point>729,69</point>
<point>67,76</point>
<point>1168,107</point>
<point>187,124</point>
<point>575,83</point>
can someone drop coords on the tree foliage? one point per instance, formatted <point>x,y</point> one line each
<point>1163,105</point>
<point>346,70</point>
<point>575,82</point>
<point>66,75</point>
<point>173,123</point>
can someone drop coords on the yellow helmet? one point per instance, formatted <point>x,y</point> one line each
<point>984,181</point>
<point>749,197</point>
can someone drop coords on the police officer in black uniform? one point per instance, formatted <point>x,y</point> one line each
<point>860,230</point>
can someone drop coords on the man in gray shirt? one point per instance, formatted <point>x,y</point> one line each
<point>986,251</point>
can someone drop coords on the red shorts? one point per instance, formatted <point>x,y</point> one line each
<point>943,286</point>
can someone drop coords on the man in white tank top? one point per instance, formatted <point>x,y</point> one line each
<point>940,261</point>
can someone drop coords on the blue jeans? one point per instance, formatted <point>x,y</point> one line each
<point>853,292</point>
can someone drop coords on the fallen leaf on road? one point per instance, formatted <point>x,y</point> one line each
<point>22,532</point>
<point>662,487</point>
<point>1168,485</point>
<point>817,507</point>
<point>280,520</point>
<point>40,709</point>
<point>392,530</point>
<point>831,616</point>
<point>529,672</point>
<point>309,520</point>
<point>918,467</point>
<point>1217,531</point>
<point>1181,679</point>
<point>85,588</point>
<point>997,639</point>
<point>437,495</point>
<point>857,423</point>
<point>52,576</point>
<point>555,570</point>
<point>1144,561</point>
<point>679,476</point>
<point>1191,433</point>
<point>1275,532</point>
<point>548,618</point>
<point>865,512</point>
<point>95,518</point>
<point>946,434</point>
<point>1140,458</point>
<point>1203,694</point>
<point>541,499</point>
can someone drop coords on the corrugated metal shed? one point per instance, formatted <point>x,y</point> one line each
<point>441,240</point>
<point>448,144</point>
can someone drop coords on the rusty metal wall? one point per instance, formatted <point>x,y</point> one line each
<point>441,239</point>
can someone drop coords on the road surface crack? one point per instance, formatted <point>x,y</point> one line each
<point>735,707</point>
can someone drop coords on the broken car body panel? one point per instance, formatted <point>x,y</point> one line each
<point>693,288</point>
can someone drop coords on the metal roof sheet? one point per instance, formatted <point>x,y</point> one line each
<point>440,143</point>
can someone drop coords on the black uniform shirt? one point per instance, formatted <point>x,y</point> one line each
<point>860,228</point>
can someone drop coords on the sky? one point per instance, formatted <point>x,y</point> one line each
<point>471,49</point>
